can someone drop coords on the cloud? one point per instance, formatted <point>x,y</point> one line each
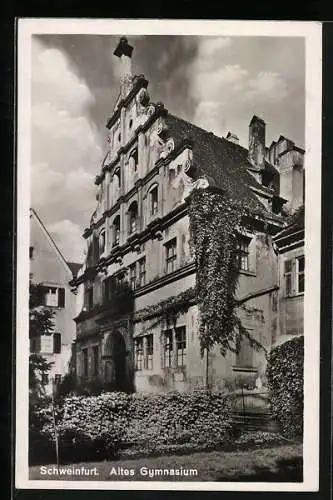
<point>67,236</point>
<point>66,148</point>
<point>266,85</point>
<point>225,91</point>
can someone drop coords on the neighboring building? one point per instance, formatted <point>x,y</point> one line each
<point>139,235</point>
<point>290,245</point>
<point>49,269</point>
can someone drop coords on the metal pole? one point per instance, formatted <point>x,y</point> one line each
<point>54,424</point>
<point>207,360</point>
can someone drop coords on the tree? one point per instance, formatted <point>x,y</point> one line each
<point>40,317</point>
<point>40,323</point>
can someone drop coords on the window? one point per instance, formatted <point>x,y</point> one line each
<point>57,379</point>
<point>154,201</point>
<point>244,358</point>
<point>95,359</point>
<point>101,242</point>
<point>132,218</point>
<point>171,255</point>
<point>181,345</point>
<point>168,349</point>
<point>288,277</point>
<point>294,276</point>
<point>89,298</point>
<point>149,351</point>
<point>51,297</point>
<point>108,288</point>
<point>116,184</point>
<point>46,344</point>
<point>57,343</point>
<point>138,352</point>
<point>116,231</point>
<point>45,378</point>
<point>119,137</point>
<point>142,271</point>
<point>130,123</point>
<point>133,160</point>
<point>132,276</point>
<point>243,253</point>
<point>54,296</point>
<point>300,274</point>
<point>31,252</point>
<point>85,362</point>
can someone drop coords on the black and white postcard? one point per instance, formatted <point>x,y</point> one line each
<point>168,255</point>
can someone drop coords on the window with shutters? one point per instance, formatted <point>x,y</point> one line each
<point>54,296</point>
<point>300,270</point>
<point>46,344</point>
<point>288,277</point>
<point>57,343</point>
<point>294,276</point>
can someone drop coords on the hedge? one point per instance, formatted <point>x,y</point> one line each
<point>285,384</point>
<point>96,427</point>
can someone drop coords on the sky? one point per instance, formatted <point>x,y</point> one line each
<point>218,83</point>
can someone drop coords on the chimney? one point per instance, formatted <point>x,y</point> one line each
<point>124,52</point>
<point>257,140</point>
<point>232,138</point>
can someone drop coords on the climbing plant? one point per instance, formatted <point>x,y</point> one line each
<point>215,220</point>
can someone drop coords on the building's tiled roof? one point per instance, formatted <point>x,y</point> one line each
<point>74,267</point>
<point>222,160</point>
<point>295,225</point>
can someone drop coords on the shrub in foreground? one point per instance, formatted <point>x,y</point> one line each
<point>285,383</point>
<point>95,427</point>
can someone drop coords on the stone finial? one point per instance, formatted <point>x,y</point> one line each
<point>123,48</point>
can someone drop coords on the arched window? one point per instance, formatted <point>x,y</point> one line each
<point>134,160</point>
<point>132,217</point>
<point>116,184</point>
<point>101,242</point>
<point>153,201</point>
<point>116,231</point>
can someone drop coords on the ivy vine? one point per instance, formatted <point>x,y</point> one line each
<point>215,219</point>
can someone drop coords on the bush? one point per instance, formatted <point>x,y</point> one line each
<point>96,427</point>
<point>200,417</point>
<point>285,384</point>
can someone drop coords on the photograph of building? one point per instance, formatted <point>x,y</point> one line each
<point>139,237</point>
<point>172,189</point>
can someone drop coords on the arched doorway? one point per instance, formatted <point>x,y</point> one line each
<point>115,356</point>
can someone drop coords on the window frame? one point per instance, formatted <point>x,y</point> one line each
<point>148,360</point>
<point>142,274</point>
<point>85,362</point>
<point>138,353</point>
<point>243,253</point>
<point>299,274</point>
<point>168,350</point>
<point>171,260</point>
<point>181,345</point>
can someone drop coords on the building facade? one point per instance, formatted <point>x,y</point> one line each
<point>49,269</point>
<point>138,252</point>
